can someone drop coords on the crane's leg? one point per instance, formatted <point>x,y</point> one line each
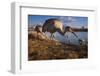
<point>51,36</point>
<point>68,41</point>
<point>37,36</point>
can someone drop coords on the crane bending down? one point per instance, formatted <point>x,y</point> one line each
<point>55,25</point>
<point>69,29</point>
<point>52,26</point>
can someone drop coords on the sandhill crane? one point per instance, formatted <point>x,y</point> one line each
<point>55,25</point>
<point>75,29</point>
<point>69,29</point>
<point>52,26</point>
<point>38,29</point>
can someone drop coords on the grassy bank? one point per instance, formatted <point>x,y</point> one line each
<point>46,49</point>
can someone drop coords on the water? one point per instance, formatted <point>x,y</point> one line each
<point>71,38</point>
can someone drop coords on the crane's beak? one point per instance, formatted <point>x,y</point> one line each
<point>75,34</point>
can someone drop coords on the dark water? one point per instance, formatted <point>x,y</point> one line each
<point>71,38</point>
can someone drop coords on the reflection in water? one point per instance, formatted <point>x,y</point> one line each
<point>71,38</point>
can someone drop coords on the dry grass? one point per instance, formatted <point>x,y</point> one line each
<point>45,49</point>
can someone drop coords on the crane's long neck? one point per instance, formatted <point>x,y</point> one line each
<point>70,30</point>
<point>61,32</point>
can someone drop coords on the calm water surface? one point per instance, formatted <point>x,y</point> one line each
<point>71,38</point>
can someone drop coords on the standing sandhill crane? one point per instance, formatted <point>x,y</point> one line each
<point>73,30</point>
<point>53,25</point>
<point>69,29</point>
<point>38,29</point>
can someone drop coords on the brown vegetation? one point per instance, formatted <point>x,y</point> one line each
<point>46,49</point>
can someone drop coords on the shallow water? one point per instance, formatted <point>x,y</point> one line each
<point>71,38</point>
